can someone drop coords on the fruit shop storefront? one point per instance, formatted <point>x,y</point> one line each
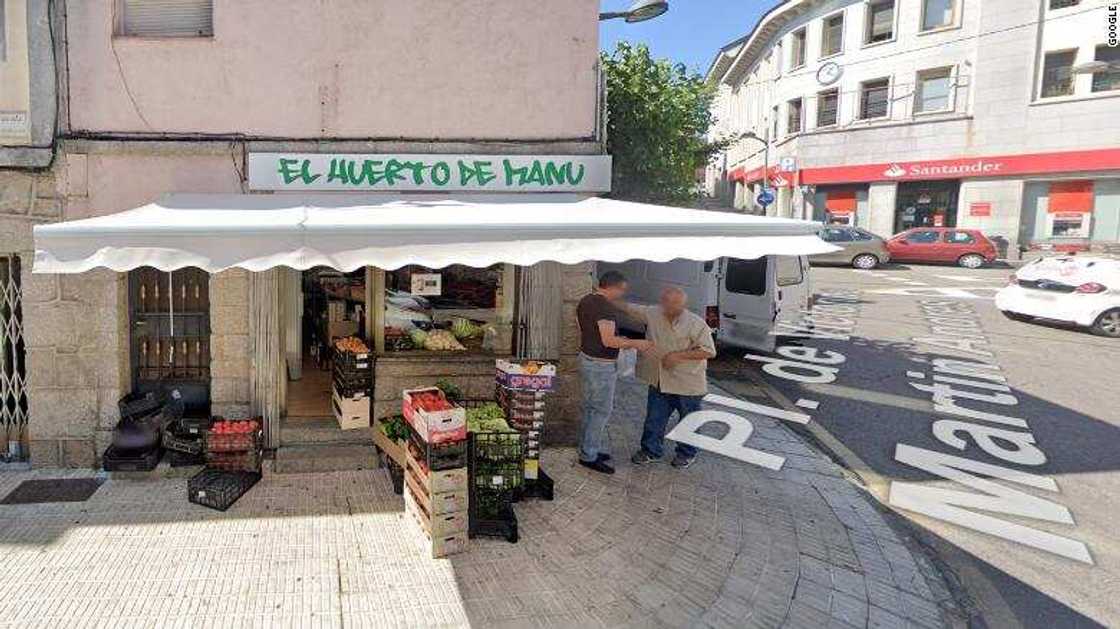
<point>262,289</point>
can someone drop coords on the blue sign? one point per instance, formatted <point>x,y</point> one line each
<point>765,198</point>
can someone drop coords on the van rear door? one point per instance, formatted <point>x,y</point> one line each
<point>747,303</point>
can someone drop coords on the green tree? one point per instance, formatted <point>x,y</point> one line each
<point>658,116</point>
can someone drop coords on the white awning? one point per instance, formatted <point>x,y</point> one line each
<point>258,232</point>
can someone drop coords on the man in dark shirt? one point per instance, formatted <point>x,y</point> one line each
<point>599,344</point>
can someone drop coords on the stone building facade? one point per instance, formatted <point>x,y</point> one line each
<point>148,115</point>
<point>999,113</point>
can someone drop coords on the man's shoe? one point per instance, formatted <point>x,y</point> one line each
<point>603,457</point>
<point>641,457</point>
<point>597,465</point>
<point>681,461</point>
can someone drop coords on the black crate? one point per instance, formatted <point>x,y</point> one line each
<point>498,447</point>
<point>351,380</point>
<point>193,425</point>
<point>248,461</point>
<point>217,489</point>
<point>351,364</point>
<point>504,527</point>
<point>541,488</point>
<point>437,456</point>
<point>182,459</point>
<point>136,405</point>
<point>117,460</point>
<point>187,445</point>
<point>490,514</point>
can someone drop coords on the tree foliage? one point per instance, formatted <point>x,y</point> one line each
<point>657,125</point>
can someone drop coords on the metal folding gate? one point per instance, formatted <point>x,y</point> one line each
<point>13,368</point>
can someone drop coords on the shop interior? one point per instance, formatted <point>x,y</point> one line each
<point>926,204</point>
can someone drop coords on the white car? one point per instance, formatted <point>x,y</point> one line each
<point>1083,290</point>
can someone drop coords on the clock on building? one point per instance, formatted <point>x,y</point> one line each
<point>829,73</point>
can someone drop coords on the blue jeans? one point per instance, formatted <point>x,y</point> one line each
<point>659,406</point>
<point>599,378</point>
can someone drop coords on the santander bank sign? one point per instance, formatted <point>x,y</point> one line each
<point>966,167</point>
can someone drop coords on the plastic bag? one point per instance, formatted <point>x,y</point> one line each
<point>627,362</point>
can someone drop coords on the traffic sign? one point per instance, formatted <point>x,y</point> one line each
<point>765,198</point>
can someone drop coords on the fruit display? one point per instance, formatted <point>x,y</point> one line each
<point>464,329</point>
<point>418,337</point>
<point>430,400</point>
<point>226,427</point>
<point>442,340</point>
<point>351,345</point>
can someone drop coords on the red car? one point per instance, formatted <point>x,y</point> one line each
<point>966,247</point>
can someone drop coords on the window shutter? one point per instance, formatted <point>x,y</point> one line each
<point>168,18</point>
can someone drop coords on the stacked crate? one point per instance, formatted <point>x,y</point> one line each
<point>435,474</point>
<point>351,389</point>
<point>496,473</point>
<point>521,389</point>
<point>235,451</point>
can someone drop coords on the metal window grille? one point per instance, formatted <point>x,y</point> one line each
<point>1061,4</point>
<point>13,368</point>
<point>793,122</point>
<point>874,99</point>
<point>828,104</point>
<point>880,21</point>
<point>1107,80</point>
<point>1057,74</point>
<point>167,18</point>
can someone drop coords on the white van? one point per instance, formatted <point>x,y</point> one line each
<point>742,300</point>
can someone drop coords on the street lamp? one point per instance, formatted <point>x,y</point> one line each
<point>639,11</point>
<point>751,135</point>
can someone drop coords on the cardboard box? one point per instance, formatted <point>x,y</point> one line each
<point>524,367</point>
<point>435,504</point>
<point>434,426</point>
<point>350,413</point>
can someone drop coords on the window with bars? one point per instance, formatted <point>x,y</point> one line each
<point>828,107</point>
<point>13,367</point>
<point>1108,79</point>
<point>832,35</point>
<point>880,22</point>
<point>793,116</point>
<point>165,18</point>
<point>1062,4</point>
<point>1057,74</point>
<point>797,49</point>
<point>933,90</point>
<point>874,99</point>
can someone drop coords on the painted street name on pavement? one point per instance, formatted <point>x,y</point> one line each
<point>974,389</point>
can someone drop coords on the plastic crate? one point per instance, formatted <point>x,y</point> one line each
<point>182,459</point>
<point>350,384</point>
<point>437,456</point>
<point>233,442</point>
<point>352,364</point>
<point>194,425</point>
<point>248,461</point>
<point>135,405</point>
<point>186,445</point>
<point>117,460</point>
<point>541,488</point>
<point>501,524</point>
<point>217,489</point>
<point>499,447</point>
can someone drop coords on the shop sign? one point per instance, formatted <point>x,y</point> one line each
<point>1000,166</point>
<point>426,284</point>
<point>406,172</point>
<point>980,208</point>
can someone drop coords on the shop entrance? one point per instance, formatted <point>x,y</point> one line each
<point>926,204</point>
<point>334,307</point>
<point>170,334</point>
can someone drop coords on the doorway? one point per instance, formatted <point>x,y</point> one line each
<point>926,204</point>
<point>333,307</point>
<point>169,316</point>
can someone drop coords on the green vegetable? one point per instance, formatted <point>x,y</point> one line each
<point>464,329</point>
<point>487,418</point>
<point>395,428</point>
<point>418,337</point>
<point>450,390</point>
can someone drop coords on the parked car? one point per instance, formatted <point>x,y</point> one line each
<point>965,247</point>
<point>1081,290</point>
<point>858,247</point>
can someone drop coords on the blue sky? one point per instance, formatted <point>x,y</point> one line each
<point>690,32</point>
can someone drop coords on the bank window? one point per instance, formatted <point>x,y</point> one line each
<point>453,309</point>
<point>746,277</point>
<point>1057,74</point>
<point>923,237</point>
<point>793,118</point>
<point>832,35</point>
<point>828,105</point>
<point>1108,79</point>
<point>932,90</point>
<point>797,49</point>
<point>880,22</point>
<point>937,14</point>
<point>789,270</point>
<point>874,99</point>
<point>959,238</point>
<point>165,18</point>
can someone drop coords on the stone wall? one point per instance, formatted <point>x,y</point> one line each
<point>229,343</point>
<point>564,414</point>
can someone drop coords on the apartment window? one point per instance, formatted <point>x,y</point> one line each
<point>793,116</point>
<point>166,18</point>
<point>828,106</point>
<point>880,22</point>
<point>937,13</point>
<point>832,35</point>
<point>1057,74</point>
<point>874,99</point>
<point>1107,80</point>
<point>1061,4</point>
<point>797,49</point>
<point>932,90</point>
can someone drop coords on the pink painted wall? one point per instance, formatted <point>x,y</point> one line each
<point>440,69</point>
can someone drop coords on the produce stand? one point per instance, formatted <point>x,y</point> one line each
<point>351,383</point>
<point>233,455</point>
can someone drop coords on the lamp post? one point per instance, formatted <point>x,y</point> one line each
<point>639,11</point>
<point>751,135</point>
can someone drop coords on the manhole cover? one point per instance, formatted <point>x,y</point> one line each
<point>54,490</point>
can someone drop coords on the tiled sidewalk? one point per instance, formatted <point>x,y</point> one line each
<point>721,544</point>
